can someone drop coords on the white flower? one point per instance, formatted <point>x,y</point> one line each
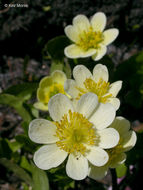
<point>117,154</point>
<point>96,83</point>
<point>89,37</point>
<point>78,133</point>
<point>48,87</point>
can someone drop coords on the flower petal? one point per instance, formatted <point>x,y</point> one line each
<point>73,51</point>
<point>41,95</point>
<point>97,173</point>
<point>72,33</point>
<point>58,77</point>
<point>97,156</point>
<point>46,81</point>
<point>103,116</point>
<point>115,102</point>
<point>88,53</point>
<point>100,71</point>
<point>81,22</point>
<point>121,124</point>
<point>110,35</point>
<point>117,160</point>
<point>49,156</point>
<point>109,138</point>
<point>77,167</point>
<point>98,21</point>
<point>129,140</point>
<point>58,106</point>
<point>42,131</point>
<point>87,104</point>
<point>99,53</point>
<point>70,88</point>
<point>41,106</point>
<point>115,88</point>
<point>81,73</point>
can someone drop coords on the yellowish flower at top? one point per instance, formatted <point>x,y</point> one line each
<point>48,87</point>
<point>96,83</point>
<point>89,37</point>
<point>78,133</point>
<point>117,154</point>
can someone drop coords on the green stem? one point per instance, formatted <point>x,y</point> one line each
<point>114,180</point>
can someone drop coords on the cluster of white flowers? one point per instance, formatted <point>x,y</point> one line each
<point>85,130</point>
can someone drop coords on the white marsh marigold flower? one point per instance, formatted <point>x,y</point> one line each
<point>89,37</point>
<point>79,134</point>
<point>117,154</point>
<point>96,83</point>
<point>48,87</point>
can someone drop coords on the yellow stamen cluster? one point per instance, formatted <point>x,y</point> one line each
<point>100,89</point>
<point>90,39</point>
<point>75,132</point>
<point>53,90</point>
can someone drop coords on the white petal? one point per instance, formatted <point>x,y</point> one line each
<point>81,73</point>
<point>77,167</point>
<point>58,106</point>
<point>97,173</point>
<point>41,106</point>
<point>110,35</point>
<point>98,21</point>
<point>100,71</point>
<point>87,104</point>
<point>109,138</point>
<point>73,51</point>
<point>118,159</point>
<point>121,124</point>
<point>72,33</point>
<point>115,88</point>
<point>97,156</point>
<point>129,140</point>
<point>42,131</point>
<point>49,156</point>
<point>59,77</point>
<point>115,102</point>
<point>99,53</point>
<point>81,22</point>
<point>88,53</point>
<point>70,88</point>
<point>103,116</point>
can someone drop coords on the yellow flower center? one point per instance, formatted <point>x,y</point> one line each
<point>90,39</point>
<point>75,132</point>
<point>53,90</point>
<point>100,88</point>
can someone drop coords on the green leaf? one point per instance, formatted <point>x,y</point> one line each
<point>121,170</point>
<point>55,47</point>
<point>17,104</point>
<point>25,187</point>
<point>56,65</point>
<point>24,91</point>
<point>14,145</point>
<point>131,73</point>
<point>25,164</point>
<point>67,70</point>
<point>18,171</point>
<point>26,143</point>
<point>40,179</point>
<point>5,150</point>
